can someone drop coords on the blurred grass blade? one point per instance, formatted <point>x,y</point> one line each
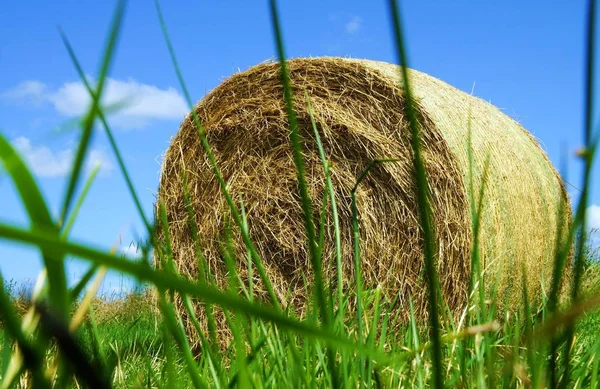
<point>40,218</point>
<point>213,163</point>
<point>174,325</point>
<point>143,272</point>
<point>373,333</point>
<point>96,341</point>
<point>584,198</point>
<point>74,294</point>
<point>561,252</point>
<point>84,306</point>
<point>29,192</point>
<point>429,240</point>
<point>75,212</point>
<point>295,138</point>
<point>82,283</point>
<point>567,318</point>
<point>88,123</point>
<point>70,349</point>
<point>6,354</point>
<point>111,138</point>
<point>32,355</point>
<point>207,349</point>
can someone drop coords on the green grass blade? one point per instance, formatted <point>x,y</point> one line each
<point>172,318</point>
<point>169,373</point>
<point>96,339</point>
<point>295,137</point>
<point>424,205</point>
<point>143,272</point>
<point>475,253</point>
<point>170,266</point>
<point>561,251</point>
<point>219,176</point>
<point>173,322</point>
<point>75,212</point>
<point>32,354</point>
<point>214,360</point>
<point>203,269</point>
<point>29,192</point>
<point>299,162</point>
<point>415,336</point>
<point>355,231</point>
<point>111,138</point>
<point>88,123</point>
<point>334,210</point>
<point>596,367</point>
<point>249,359</point>
<point>236,322</point>
<point>71,355</point>
<point>322,221</point>
<point>40,218</point>
<point>167,249</point>
<point>248,255</point>
<point>357,257</point>
<point>6,353</point>
<point>372,334</point>
<point>584,198</point>
<point>82,283</point>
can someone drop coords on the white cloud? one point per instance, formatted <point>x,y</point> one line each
<point>32,92</point>
<point>136,103</point>
<point>354,24</point>
<point>47,163</point>
<point>593,216</point>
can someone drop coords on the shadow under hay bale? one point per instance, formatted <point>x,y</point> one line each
<point>358,107</point>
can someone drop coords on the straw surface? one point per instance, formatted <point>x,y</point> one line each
<point>358,107</point>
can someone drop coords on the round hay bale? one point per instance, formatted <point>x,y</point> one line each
<point>359,110</point>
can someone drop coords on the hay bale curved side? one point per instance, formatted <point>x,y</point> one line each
<point>358,107</point>
<point>522,192</point>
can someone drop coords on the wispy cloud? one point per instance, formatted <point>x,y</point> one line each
<point>593,216</point>
<point>48,163</point>
<point>136,104</point>
<point>28,92</point>
<point>354,24</point>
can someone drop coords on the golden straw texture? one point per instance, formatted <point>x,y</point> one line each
<point>358,107</point>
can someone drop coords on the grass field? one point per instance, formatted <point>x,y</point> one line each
<point>66,337</point>
<point>129,329</point>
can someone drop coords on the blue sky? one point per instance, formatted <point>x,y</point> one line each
<point>524,57</point>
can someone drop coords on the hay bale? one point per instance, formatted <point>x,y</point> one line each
<point>358,107</point>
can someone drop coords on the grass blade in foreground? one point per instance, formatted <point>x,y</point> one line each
<point>108,131</point>
<point>315,255</point>
<point>162,279</point>
<point>334,210</point>
<point>299,162</point>
<point>30,352</point>
<point>424,206</point>
<point>235,213</point>
<point>357,260</point>
<point>40,218</point>
<point>90,117</point>
<point>588,155</point>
